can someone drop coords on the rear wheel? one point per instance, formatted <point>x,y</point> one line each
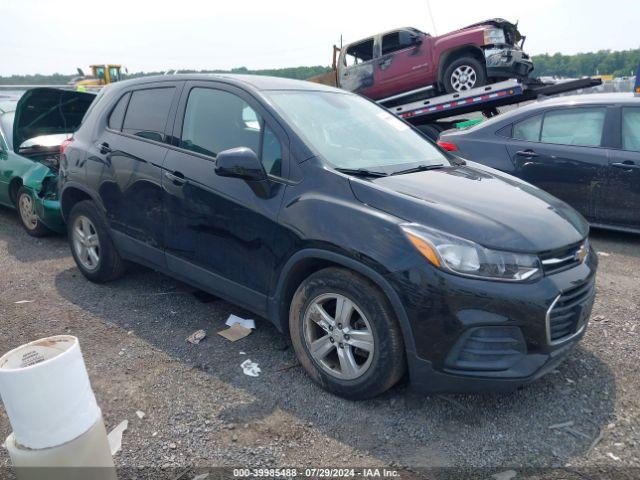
<point>345,334</point>
<point>28,216</point>
<point>91,245</point>
<point>464,74</point>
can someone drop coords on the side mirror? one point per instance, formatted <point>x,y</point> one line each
<point>416,39</point>
<point>240,162</point>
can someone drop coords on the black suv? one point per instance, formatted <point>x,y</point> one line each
<point>376,251</point>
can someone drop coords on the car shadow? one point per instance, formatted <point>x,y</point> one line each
<point>401,426</point>
<point>620,243</point>
<point>49,247</point>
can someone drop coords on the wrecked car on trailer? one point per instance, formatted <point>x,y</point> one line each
<point>407,59</point>
<point>32,131</point>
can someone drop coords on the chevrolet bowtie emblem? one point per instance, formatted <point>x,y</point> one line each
<point>581,254</point>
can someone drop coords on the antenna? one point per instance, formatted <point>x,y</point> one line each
<point>433,23</point>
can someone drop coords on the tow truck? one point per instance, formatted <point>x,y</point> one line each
<point>432,115</point>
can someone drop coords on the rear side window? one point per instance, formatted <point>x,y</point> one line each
<point>117,114</point>
<point>528,129</point>
<point>359,52</point>
<point>147,113</point>
<point>631,129</point>
<point>575,126</point>
<point>392,42</point>
<point>216,120</point>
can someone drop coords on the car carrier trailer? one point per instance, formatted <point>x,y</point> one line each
<point>430,114</point>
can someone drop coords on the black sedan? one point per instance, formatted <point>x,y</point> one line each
<point>583,149</point>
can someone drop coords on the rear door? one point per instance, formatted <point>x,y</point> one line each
<point>356,65</point>
<point>621,200</point>
<point>219,230</point>
<point>404,64</point>
<point>126,168</point>
<point>561,151</point>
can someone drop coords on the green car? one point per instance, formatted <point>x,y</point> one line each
<point>32,131</point>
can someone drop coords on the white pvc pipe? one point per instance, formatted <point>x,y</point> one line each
<point>46,392</point>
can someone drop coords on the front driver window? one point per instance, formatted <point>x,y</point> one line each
<point>216,120</point>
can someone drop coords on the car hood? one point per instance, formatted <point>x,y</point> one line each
<point>512,28</point>
<point>47,111</point>
<point>477,203</point>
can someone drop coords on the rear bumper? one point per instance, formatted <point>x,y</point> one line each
<point>507,63</point>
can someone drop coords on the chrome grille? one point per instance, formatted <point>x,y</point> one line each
<point>563,258</point>
<point>569,312</point>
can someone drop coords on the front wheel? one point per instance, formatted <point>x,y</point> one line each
<point>464,74</point>
<point>345,334</point>
<point>28,216</point>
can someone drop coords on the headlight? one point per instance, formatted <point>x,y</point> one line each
<point>467,258</point>
<point>494,36</point>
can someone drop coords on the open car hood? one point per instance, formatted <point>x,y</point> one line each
<point>48,111</point>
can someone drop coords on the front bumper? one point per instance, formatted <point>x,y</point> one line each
<point>507,63</point>
<point>475,336</point>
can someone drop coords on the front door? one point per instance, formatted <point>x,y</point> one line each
<point>560,151</point>
<point>621,200</point>
<point>404,63</point>
<point>219,230</point>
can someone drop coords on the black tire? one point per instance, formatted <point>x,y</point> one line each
<point>469,62</point>
<point>29,220</point>
<point>109,265</point>
<point>388,363</point>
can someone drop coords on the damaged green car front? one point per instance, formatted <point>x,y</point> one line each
<point>31,134</point>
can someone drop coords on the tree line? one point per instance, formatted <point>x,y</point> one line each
<point>604,62</point>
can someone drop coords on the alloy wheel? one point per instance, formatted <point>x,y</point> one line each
<point>27,211</point>
<point>338,336</point>
<point>86,243</point>
<point>463,78</point>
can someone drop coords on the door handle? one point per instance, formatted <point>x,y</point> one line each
<point>104,148</point>
<point>176,178</point>
<point>626,166</point>
<point>527,153</point>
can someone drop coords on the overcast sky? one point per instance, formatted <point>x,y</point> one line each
<point>47,36</point>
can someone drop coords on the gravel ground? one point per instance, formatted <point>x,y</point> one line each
<point>201,410</point>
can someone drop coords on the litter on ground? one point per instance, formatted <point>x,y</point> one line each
<point>196,337</point>
<point>235,332</point>
<point>140,414</point>
<point>115,437</point>
<point>250,368</point>
<point>245,322</point>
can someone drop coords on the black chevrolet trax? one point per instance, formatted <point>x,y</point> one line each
<point>377,252</point>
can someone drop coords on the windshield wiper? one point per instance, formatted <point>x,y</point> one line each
<point>419,168</point>
<point>361,172</point>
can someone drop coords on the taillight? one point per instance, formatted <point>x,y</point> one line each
<point>65,144</point>
<point>448,146</point>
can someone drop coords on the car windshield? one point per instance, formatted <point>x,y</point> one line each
<point>353,133</point>
<point>6,125</point>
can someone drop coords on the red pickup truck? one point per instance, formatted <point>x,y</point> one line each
<point>407,59</point>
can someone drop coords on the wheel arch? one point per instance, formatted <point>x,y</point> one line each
<point>457,52</point>
<point>308,261</point>
<point>14,186</point>
<point>71,195</point>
